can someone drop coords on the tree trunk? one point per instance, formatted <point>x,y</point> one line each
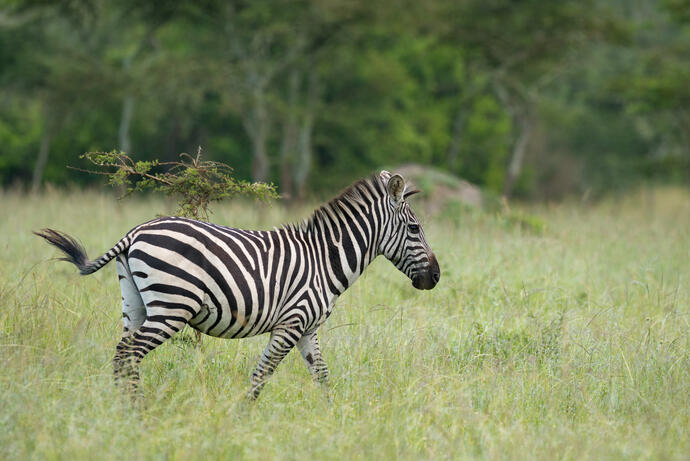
<point>259,157</point>
<point>171,150</point>
<point>520,112</point>
<point>518,155</point>
<point>303,166</point>
<point>454,147</point>
<point>124,139</point>
<point>288,145</point>
<point>257,128</point>
<point>42,159</point>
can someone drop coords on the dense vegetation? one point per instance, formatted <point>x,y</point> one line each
<point>523,97</point>
<point>568,343</point>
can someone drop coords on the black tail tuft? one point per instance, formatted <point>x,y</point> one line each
<point>74,251</point>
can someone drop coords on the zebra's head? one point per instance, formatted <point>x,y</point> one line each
<point>403,241</point>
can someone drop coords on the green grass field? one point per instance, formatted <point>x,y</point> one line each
<point>569,343</point>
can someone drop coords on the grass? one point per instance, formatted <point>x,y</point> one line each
<point>568,343</point>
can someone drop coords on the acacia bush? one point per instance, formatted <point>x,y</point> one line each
<point>196,183</point>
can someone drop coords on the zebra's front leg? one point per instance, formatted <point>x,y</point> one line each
<point>311,353</point>
<point>281,342</point>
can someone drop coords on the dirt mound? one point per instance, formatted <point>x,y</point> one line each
<point>439,188</point>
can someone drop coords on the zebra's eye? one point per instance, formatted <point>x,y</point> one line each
<point>413,227</point>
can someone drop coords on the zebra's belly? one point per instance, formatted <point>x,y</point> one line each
<point>229,323</point>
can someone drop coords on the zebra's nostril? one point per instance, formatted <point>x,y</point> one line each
<point>436,276</point>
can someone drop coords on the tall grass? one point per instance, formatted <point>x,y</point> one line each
<point>569,343</point>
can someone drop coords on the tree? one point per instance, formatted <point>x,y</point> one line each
<point>195,182</point>
<point>656,85</point>
<point>522,46</point>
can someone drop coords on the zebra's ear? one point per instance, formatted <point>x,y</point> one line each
<point>396,188</point>
<point>410,193</point>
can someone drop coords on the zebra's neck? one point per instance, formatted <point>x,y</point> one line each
<point>345,233</point>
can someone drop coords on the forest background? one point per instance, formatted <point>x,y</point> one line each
<point>532,99</point>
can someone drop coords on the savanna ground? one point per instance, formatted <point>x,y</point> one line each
<point>567,343</point>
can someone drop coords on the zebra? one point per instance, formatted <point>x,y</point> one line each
<point>234,283</point>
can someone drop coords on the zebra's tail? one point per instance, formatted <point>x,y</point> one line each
<point>75,253</point>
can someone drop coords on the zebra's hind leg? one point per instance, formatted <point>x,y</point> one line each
<point>133,316</point>
<point>133,308</point>
<point>308,346</point>
<point>155,330</point>
<point>281,342</point>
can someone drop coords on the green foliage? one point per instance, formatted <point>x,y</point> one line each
<point>522,220</point>
<point>196,183</point>
<point>539,341</point>
<point>329,91</point>
<point>494,210</point>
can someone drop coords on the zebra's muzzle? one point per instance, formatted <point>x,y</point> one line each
<point>428,278</point>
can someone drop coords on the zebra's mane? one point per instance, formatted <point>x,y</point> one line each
<point>353,194</point>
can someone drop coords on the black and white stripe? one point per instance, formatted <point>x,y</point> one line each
<point>235,283</point>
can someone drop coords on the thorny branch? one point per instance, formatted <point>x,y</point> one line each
<point>195,182</point>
